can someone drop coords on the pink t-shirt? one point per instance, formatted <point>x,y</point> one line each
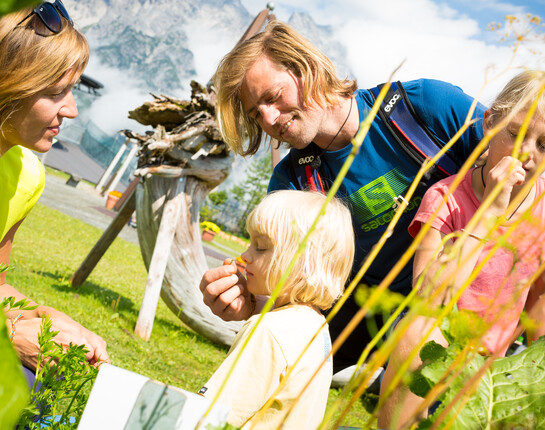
<point>499,289</point>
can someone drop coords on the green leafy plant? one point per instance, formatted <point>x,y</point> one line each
<point>507,394</point>
<point>9,304</point>
<point>13,387</point>
<point>61,386</point>
<point>57,395</point>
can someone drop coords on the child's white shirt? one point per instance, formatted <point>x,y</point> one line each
<point>274,347</point>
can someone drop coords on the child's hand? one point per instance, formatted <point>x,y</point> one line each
<point>508,168</point>
<point>224,292</point>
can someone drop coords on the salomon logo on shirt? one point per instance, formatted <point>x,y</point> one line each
<point>377,196</point>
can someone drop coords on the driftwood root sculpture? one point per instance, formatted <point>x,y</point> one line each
<point>184,159</point>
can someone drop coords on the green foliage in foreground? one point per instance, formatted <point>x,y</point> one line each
<point>50,246</point>
<point>13,388</point>
<point>14,391</point>
<point>8,6</point>
<point>510,393</point>
<point>57,397</point>
<point>62,385</point>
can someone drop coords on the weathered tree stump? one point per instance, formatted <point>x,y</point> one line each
<point>186,163</point>
<point>186,262</point>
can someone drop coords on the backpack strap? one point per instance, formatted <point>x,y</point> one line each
<point>308,175</point>
<point>410,131</point>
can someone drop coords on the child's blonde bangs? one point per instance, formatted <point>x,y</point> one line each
<point>321,271</point>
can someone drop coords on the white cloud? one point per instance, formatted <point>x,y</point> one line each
<point>208,48</point>
<point>435,40</point>
<point>432,44</point>
<point>120,95</point>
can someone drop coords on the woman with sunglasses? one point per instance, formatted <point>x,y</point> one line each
<point>41,58</point>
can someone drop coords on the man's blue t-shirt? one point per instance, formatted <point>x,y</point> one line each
<point>382,170</point>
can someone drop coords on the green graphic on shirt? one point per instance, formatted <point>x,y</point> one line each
<point>378,196</point>
<point>384,219</point>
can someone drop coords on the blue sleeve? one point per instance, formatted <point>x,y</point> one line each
<point>443,107</point>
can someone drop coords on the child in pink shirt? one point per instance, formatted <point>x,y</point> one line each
<point>501,289</point>
<point>498,293</point>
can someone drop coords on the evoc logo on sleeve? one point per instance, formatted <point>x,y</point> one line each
<point>392,102</point>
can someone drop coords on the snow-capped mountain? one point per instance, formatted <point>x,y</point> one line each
<point>154,40</point>
<point>322,36</point>
<point>165,43</point>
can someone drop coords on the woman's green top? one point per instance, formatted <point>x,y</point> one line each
<point>22,181</point>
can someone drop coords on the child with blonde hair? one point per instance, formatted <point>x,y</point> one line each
<point>277,226</point>
<point>505,246</point>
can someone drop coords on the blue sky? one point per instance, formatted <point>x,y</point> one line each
<point>486,11</point>
<point>483,11</point>
<point>439,39</point>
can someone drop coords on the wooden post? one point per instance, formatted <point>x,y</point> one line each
<point>255,26</point>
<point>159,259</point>
<point>257,23</point>
<point>111,166</point>
<point>105,241</point>
<point>122,169</point>
<point>128,192</point>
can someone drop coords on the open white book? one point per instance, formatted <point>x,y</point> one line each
<point>121,399</point>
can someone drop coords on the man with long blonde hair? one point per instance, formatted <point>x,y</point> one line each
<point>279,84</point>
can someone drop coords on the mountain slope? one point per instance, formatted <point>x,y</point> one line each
<point>161,42</point>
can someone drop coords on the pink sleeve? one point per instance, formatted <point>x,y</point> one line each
<point>430,202</point>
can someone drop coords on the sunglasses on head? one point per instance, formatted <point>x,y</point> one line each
<point>51,15</point>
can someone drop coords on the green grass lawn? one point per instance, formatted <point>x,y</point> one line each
<point>50,246</point>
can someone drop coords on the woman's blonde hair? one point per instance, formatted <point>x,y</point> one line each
<point>30,62</point>
<point>288,50</point>
<point>319,275</point>
<point>519,93</point>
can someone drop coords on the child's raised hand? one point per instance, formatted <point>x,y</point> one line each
<point>225,293</point>
<point>510,169</point>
